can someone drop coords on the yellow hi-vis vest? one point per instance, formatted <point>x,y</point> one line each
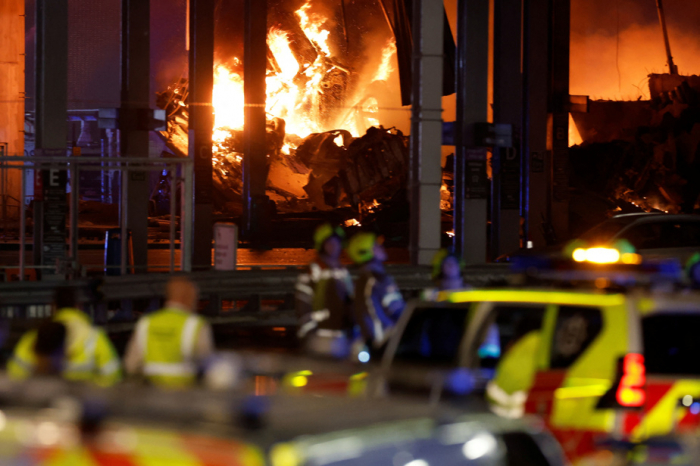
<point>167,339</point>
<point>507,392</point>
<point>89,354</point>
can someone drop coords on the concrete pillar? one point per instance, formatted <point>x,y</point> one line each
<point>254,136</point>
<point>426,130</point>
<point>534,135</point>
<point>201,124</point>
<point>51,89</point>
<point>135,94</point>
<point>472,107</point>
<point>558,140</point>
<point>11,103</point>
<point>507,109</point>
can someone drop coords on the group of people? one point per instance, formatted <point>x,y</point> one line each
<point>168,347</point>
<point>342,318</point>
<point>173,346</point>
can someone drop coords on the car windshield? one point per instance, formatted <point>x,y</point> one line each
<point>432,335</point>
<point>605,231</point>
<point>671,343</point>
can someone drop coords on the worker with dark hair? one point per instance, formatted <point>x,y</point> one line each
<point>50,348</point>
<point>81,352</point>
<point>378,301</point>
<point>324,297</point>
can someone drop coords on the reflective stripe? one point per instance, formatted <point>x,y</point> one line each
<point>323,274</point>
<point>306,328</point>
<point>326,333</point>
<point>189,335</point>
<point>110,368</point>
<point>304,288</point>
<point>169,369</point>
<point>142,335</point>
<point>391,297</point>
<point>510,406</point>
<point>26,365</point>
<point>376,323</point>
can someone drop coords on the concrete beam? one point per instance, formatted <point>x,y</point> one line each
<point>201,126</point>
<point>507,109</point>
<point>135,93</point>
<point>472,107</point>
<point>11,103</point>
<point>254,135</point>
<point>426,130</point>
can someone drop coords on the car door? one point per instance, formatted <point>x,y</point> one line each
<point>577,364</point>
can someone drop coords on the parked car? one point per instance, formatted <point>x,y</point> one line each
<point>654,235</point>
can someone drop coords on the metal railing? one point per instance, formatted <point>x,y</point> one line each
<point>124,164</point>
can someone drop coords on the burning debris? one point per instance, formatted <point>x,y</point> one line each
<point>312,165</point>
<point>652,164</point>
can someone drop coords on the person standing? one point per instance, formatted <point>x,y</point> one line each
<point>324,297</point>
<point>378,301</point>
<point>69,346</point>
<point>169,347</point>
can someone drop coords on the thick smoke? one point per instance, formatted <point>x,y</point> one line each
<point>616,44</point>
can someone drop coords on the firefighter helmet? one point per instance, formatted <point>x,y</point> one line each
<point>326,231</point>
<point>361,247</point>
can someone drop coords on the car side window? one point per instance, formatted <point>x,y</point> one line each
<point>645,236</point>
<point>681,234</point>
<point>507,325</point>
<point>576,328</point>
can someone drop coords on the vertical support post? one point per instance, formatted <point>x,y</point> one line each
<point>173,192</point>
<point>51,87</point>
<point>135,95</point>
<point>534,135</point>
<point>425,175</point>
<point>123,218</point>
<point>74,206</point>
<point>559,116</point>
<point>470,200</point>
<point>507,109</point>
<point>22,224</point>
<point>187,224</point>
<point>254,131</point>
<point>201,72</point>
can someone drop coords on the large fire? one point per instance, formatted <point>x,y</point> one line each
<point>295,90</point>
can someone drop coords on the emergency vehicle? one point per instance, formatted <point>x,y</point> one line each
<point>603,348</point>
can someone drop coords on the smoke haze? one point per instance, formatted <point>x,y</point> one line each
<point>615,44</point>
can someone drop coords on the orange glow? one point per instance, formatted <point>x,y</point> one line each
<point>385,67</point>
<point>574,134</point>
<point>294,89</point>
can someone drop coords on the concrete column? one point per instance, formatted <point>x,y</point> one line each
<point>534,135</point>
<point>558,140</point>
<point>51,89</point>
<point>135,94</point>
<point>254,136</point>
<point>201,124</point>
<point>426,130</point>
<point>472,107</point>
<point>11,102</point>
<point>507,109</point>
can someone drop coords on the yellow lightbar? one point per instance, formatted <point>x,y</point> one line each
<point>601,255</point>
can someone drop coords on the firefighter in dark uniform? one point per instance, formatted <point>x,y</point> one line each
<point>378,301</point>
<point>324,298</point>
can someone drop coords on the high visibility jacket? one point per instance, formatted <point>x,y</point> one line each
<point>508,391</point>
<point>378,303</point>
<point>167,340</point>
<point>89,355</point>
<point>324,298</point>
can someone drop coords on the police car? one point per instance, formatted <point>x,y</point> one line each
<point>598,357</point>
